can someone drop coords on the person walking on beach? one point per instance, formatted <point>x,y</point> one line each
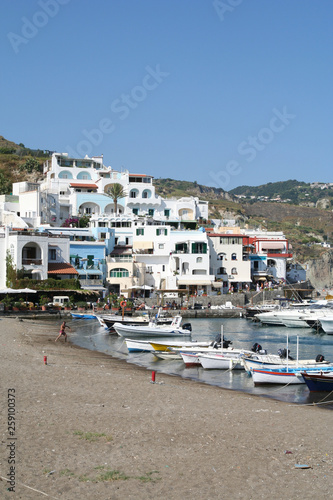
<point>63,331</point>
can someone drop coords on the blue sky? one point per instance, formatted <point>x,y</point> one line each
<point>225,93</point>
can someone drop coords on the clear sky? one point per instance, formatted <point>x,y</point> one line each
<point>224,92</point>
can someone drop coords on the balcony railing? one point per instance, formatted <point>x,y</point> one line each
<point>28,262</point>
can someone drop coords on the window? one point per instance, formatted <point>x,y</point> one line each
<point>161,246</point>
<point>233,256</point>
<point>167,212</point>
<point>62,193</point>
<point>133,193</point>
<point>163,267</point>
<point>126,241</point>
<point>199,247</point>
<point>221,270</point>
<point>119,273</point>
<point>234,271</point>
<point>199,259</point>
<point>103,236</point>
<point>135,211</point>
<point>116,241</point>
<point>87,210</point>
<point>151,212</point>
<point>140,231</point>
<point>52,254</point>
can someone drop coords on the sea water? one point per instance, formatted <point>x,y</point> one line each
<point>242,332</point>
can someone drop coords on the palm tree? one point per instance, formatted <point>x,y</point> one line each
<point>116,192</point>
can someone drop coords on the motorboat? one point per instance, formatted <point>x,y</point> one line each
<point>326,323</point>
<point>152,329</point>
<point>318,381</point>
<point>219,361</point>
<point>284,375</point>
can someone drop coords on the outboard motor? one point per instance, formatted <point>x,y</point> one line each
<point>226,343</point>
<point>320,358</point>
<point>256,347</point>
<point>283,353</point>
<point>187,326</point>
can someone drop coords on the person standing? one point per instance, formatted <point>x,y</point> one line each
<point>63,331</point>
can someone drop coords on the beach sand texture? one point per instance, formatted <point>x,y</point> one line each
<point>89,426</point>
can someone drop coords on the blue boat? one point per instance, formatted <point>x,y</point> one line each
<point>83,315</point>
<point>318,381</point>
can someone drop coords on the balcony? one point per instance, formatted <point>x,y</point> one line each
<point>92,282</point>
<point>31,262</point>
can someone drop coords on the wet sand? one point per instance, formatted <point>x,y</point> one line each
<point>91,426</point>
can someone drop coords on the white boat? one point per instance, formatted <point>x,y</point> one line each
<point>190,359</point>
<point>137,345</point>
<point>167,355</point>
<point>217,361</point>
<point>284,375</point>
<point>297,315</point>
<point>154,330</point>
<point>326,323</point>
<point>274,361</point>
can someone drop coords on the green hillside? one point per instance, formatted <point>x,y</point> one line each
<point>18,163</point>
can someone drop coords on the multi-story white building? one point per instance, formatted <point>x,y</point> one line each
<point>74,187</point>
<point>229,261</point>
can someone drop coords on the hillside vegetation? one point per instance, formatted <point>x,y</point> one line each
<point>18,163</point>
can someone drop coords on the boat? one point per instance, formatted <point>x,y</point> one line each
<point>154,330</point>
<point>167,355</point>
<point>318,381</point>
<point>219,361</point>
<point>137,345</point>
<point>297,315</point>
<point>190,359</point>
<point>83,315</point>
<point>111,319</point>
<point>276,361</point>
<point>326,323</point>
<point>284,375</point>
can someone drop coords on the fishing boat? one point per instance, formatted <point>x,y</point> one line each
<point>167,355</point>
<point>318,381</point>
<point>137,345</point>
<point>217,361</point>
<point>276,361</point>
<point>154,330</point>
<point>284,375</point>
<point>83,315</point>
<point>190,359</point>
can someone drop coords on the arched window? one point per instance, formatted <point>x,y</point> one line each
<point>146,193</point>
<point>119,273</point>
<point>133,193</point>
<point>221,270</point>
<point>234,270</point>
<point>65,174</point>
<point>199,259</point>
<point>84,175</point>
<point>233,256</point>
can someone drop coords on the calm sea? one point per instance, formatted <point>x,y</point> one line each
<point>243,334</point>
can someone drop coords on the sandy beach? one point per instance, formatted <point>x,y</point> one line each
<point>91,426</point>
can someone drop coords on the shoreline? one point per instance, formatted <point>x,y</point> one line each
<point>91,425</point>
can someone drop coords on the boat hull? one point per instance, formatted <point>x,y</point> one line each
<point>148,331</point>
<point>318,382</point>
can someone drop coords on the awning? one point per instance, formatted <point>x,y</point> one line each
<point>217,284</point>
<point>143,245</point>
<point>195,281</point>
<point>273,245</point>
<point>82,185</point>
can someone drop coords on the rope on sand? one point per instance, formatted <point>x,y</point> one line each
<point>29,487</point>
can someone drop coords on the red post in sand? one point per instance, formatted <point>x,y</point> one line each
<point>45,360</point>
<point>153,376</point>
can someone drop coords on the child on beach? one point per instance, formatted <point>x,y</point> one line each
<point>63,331</point>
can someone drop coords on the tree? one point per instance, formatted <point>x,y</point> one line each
<point>11,275</point>
<point>116,192</point>
<point>31,165</point>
